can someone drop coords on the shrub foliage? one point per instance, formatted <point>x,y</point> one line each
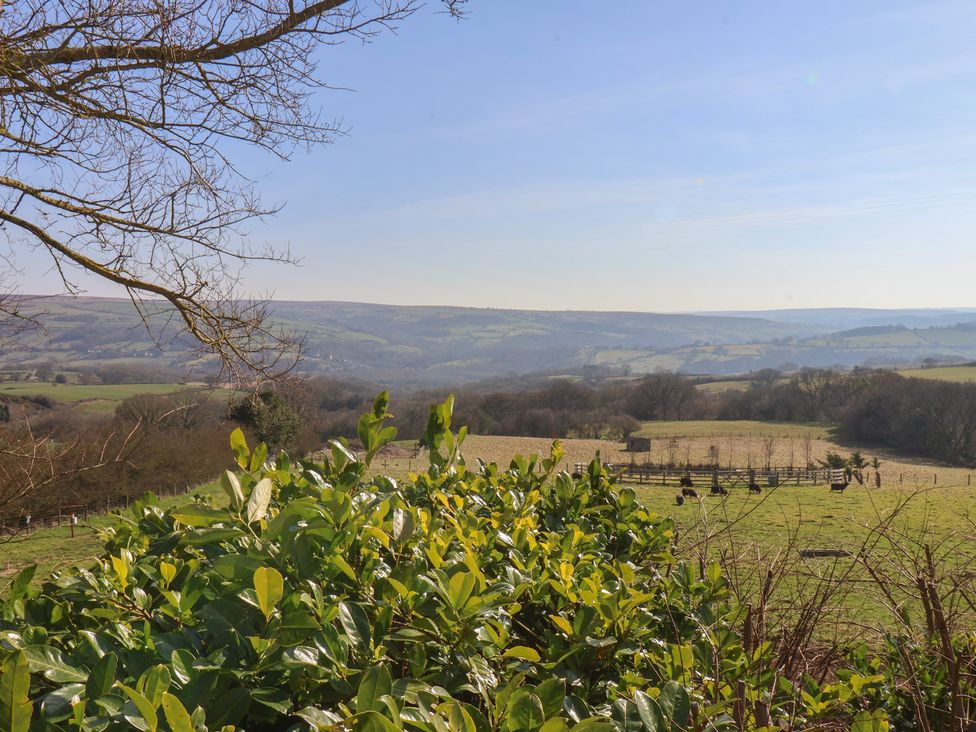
<point>460,600</point>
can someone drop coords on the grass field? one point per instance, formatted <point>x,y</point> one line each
<point>97,398</point>
<point>80,392</point>
<point>55,548</point>
<point>964,374</point>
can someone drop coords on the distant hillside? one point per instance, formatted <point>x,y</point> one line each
<point>836,319</point>
<point>438,345</point>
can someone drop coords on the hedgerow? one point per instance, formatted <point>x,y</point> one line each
<point>464,599</point>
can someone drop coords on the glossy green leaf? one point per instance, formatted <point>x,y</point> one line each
<point>54,665</point>
<point>374,685</point>
<point>356,624</point>
<point>525,712</point>
<point>102,676</point>
<point>154,683</point>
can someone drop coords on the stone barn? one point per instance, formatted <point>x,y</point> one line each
<point>638,444</point>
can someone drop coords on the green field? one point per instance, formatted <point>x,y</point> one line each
<point>80,392</point>
<point>965,374</point>
<point>741,428</point>
<point>95,399</point>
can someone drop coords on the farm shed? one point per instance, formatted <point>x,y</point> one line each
<point>638,444</point>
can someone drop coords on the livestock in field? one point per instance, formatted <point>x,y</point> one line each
<point>679,499</point>
<point>689,493</point>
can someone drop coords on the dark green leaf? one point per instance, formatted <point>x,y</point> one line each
<point>356,624</point>
<point>102,676</point>
<point>375,683</point>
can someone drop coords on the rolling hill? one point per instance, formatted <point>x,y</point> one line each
<point>419,346</point>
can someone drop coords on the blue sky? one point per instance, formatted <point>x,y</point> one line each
<point>641,156</point>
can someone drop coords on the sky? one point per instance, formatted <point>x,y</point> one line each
<point>638,155</point>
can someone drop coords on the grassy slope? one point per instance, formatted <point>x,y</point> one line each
<point>966,374</point>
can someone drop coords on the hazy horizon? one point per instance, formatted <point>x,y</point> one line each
<point>733,311</point>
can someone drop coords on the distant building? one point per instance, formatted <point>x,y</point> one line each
<point>638,444</point>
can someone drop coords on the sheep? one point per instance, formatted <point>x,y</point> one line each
<point>686,481</point>
<point>689,492</point>
<point>718,490</point>
<point>754,488</point>
<point>679,499</point>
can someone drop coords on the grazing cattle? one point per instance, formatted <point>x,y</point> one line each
<point>718,490</point>
<point>679,500</point>
<point>755,488</point>
<point>689,493</point>
<point>686,481</point>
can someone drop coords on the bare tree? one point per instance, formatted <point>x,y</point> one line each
<point>118,120</point>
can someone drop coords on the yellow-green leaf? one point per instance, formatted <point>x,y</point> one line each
<point>523,652</point>
<point>269,587</point>
<point>176,715</point>
<point>145,707</point>
<point>232,487</point>
<point>257,504</point>
<point>15,707</point>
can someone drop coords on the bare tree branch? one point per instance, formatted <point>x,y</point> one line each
<point>118,119</point>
